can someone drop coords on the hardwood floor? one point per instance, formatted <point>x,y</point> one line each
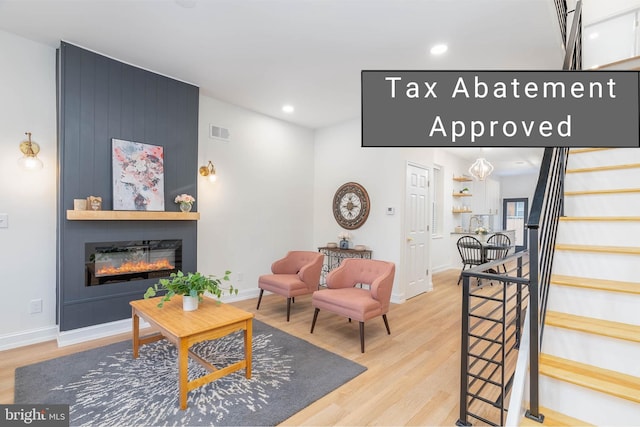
<point>412,377</point>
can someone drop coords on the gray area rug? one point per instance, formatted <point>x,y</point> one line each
<point>107,387</point>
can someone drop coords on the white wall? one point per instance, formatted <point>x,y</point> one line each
<point>28,246</point>
<point>261,205</point>
<point>441,254</point>
<point>519,186</point>
<point>597,10</point>
<point>339,158</point>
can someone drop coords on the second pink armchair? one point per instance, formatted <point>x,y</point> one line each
<point>343,296</point>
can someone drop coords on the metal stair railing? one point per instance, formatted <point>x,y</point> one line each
<point>546,209</point>
<point>561,11</point>
<point>573,40</point>
<point>493,307</point>
<point>573,45</point>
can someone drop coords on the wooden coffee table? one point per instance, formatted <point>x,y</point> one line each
<point>185,328</point>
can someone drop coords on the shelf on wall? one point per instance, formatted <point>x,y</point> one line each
<point>462,178</point>
<point>73,215</point>
<point>460,211</point>
<point>462,194</point>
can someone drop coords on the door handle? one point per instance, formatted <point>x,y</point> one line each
<point>409,239</point>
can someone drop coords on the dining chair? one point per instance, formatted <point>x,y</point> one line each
<point>470,250</point>
<point>498,247</point>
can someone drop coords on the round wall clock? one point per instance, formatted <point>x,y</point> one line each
<point>351,205</point>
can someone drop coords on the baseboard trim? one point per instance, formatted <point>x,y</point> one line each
<point>243,294</point>
<point>76,336</point>
<point>33,336</point>
<point>442,268</point>
<point>94,332</point>
<point>89,333</point>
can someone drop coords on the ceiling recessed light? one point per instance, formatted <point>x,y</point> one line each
<point>288,108</point>
<point>593,36</point>
<point>439,49</point>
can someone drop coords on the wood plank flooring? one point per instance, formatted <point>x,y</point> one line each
<point>413,374</point>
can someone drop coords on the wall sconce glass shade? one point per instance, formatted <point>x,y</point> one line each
<point>208,171</point>
<point>30,160</point>
<point>481,169</point>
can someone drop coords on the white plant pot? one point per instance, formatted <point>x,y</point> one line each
<point>189,303</point>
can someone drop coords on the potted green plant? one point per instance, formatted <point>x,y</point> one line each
<point>191,286</point>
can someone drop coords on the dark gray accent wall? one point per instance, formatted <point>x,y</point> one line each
<point>99,99</point>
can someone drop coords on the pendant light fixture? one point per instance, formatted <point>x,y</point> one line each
<point>481,169</point>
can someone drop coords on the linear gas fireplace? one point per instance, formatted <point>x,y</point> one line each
<point>113,262</point>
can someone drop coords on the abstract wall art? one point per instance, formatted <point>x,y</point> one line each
<point>138,176</point>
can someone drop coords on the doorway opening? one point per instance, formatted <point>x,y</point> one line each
<point>515,215</point>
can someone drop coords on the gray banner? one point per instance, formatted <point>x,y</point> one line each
<point>500,109</point>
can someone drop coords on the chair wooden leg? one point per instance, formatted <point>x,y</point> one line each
<point>260,298</point>
<point>315,317</point>
<point>386,323</point>
<point>288,308</point>
<point>362,337</point>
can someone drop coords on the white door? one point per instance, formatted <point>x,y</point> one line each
<point>417,231</point>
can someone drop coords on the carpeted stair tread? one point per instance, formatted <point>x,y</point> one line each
<point>553,418</point>
<point>607,328</point>
<point>628,250</point>
<point>602,380</point>
<point>596,284</point>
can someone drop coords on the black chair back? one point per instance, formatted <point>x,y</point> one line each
<point>503,244</point>
<point>470,250</point>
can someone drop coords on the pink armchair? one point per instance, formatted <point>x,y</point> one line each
<point>360,303</point>
<point>298,273</point>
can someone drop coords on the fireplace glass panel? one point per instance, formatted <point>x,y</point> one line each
<point>112,262</point>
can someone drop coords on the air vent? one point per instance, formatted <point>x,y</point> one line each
<point>218,132</point>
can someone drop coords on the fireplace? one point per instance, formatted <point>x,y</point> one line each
<point>124,261</point>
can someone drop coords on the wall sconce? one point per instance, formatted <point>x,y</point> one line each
<point>30,149</point>
<point>209,171</point>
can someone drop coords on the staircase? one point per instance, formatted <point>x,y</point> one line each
<point>590,361</point>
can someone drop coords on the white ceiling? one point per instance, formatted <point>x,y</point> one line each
<point>262,54</point>
<point>506,161</point>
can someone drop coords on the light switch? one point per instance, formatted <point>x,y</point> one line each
<point>4,220</point>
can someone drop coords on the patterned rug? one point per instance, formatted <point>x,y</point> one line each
<point>107,387</point>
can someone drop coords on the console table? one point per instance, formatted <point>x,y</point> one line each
<point>334,256</point>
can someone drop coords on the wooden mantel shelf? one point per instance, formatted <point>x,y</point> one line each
<point>73,215</point>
